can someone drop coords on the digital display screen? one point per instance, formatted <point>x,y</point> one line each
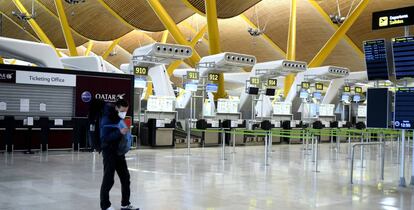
<point>305,85</point>
<point>356,98</point>
<point>345,98</point>
<point>317,95</point>
<point>376,59</point>
<point>358,90</point>
<point>347,89</point>
<point>318,86</point>
<point>191,87</point>
<point>270,91</point>
<point>304,94</point>
<point>404,108</point>
<point>403,51</point>
<point>378,108</point>
<point>212,88</point>
<point>253,90</point>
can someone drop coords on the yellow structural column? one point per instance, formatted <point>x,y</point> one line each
<point>110,48</point>
<point>1,60</point>
<point>291,48</point>
<point>164,36</point>
<point>193,43</point>
<point>172,27</point>
<point>36,28</point>
<point>338,35</point>
<point>214,41</point>
<point>70,43</point>
<point>89,49</point>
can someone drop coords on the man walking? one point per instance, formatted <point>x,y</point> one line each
<point>113,130</point>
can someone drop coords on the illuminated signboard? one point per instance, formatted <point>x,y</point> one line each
<point>393,18</point>
<point>404,108</point>
<point>213,77</point>
<point>192,75</point>
<point>377,59</point>
<point>358,90</point>
<point>318,86</point>
<point>305,85</point>
<point>140,70</point>
<point>254,80</point>
<point>272,82</point>
<point>347,89</point>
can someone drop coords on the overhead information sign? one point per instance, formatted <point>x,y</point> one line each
<point>376,59</point>
<point>393,18</point>
<point>272,82</point>
<point>318,86</point>
<point>358,90</point>
<point>404,108</point>
<point>213,77</point>
<point>347,89</point>
<point>192,75</point>
<point>305,85</point>
<point>140,71</point>
<point>254,80</point>
<point>403,51</point>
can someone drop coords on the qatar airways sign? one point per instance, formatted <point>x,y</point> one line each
<point>108,89</point>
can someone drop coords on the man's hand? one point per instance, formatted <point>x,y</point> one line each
<point>124,131</point>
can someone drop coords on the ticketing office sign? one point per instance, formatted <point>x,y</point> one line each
<point>393,18</point>
<point>42,78</point>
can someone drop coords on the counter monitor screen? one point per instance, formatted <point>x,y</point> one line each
<point>345,98</point>
<point>404,108</point>
<point>356,98</point>
<point>270,92</point>
<point>317,95</point>
<point>376,59</point>
<point>304,94</point>
<point>403,51</point>
<point>253,90</point>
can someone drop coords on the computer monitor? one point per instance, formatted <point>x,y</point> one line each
<point>345,98</point>
<point>317,95</point>
<point>304,94</point>
<point>270,91</point>
<point>356,98</point>
<point>253,90</point>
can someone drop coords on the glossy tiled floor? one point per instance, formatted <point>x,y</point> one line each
<point>168,179</point>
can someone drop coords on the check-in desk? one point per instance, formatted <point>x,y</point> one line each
<point>160,128</point>
<point>326,121</point>
<point>210,137</point>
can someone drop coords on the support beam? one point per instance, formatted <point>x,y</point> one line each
<point>291,46</point>
<point>335,26</point>
<point>172,27</point>
<point>264,36</point>
<point>176,64</point>
<point>213,29</point>
<point>70,43</point>
<point>149,90</point>
<point>110,48</point>
<point>88,50</point>
<point>164,36</point>
<point>214,41</point>
<point>189,27</point>
<point>338,35</point>
<point>198,36</point>
<point>36,28</point>
<point>1,60</point>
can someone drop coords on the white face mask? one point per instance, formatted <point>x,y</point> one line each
<point>122,115</point>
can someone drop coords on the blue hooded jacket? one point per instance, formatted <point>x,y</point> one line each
<point>110,133</point>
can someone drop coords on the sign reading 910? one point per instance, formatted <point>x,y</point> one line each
<point>140,70</point>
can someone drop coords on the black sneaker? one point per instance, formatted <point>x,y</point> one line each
<point>129,207</point>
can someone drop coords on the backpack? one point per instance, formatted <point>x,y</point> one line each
<point>94,119</point>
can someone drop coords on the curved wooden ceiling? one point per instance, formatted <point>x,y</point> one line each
<point>91,20</point>
<point>49,23</point>
<point>225,8</point>
<point>139,14</point>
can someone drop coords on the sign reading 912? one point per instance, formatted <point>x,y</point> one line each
<point>192,75</point>
<point>140,70</point>
<point>213,77</point>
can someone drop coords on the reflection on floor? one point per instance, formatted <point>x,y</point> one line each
<point>168,179</point>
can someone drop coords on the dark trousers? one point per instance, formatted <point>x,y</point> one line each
<point>112,162</point>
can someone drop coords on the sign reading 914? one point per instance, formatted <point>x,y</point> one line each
<point>140,71</point>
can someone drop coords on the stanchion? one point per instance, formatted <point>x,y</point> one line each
<point>188,136</point>
<point>382,151</point>
<point>412,166</point>
<point>362,150</point>
<point>402,160</point>
<point>233,136</point>
<point>316,153</point>
<point>223,143</point>
<point>266,149</point>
